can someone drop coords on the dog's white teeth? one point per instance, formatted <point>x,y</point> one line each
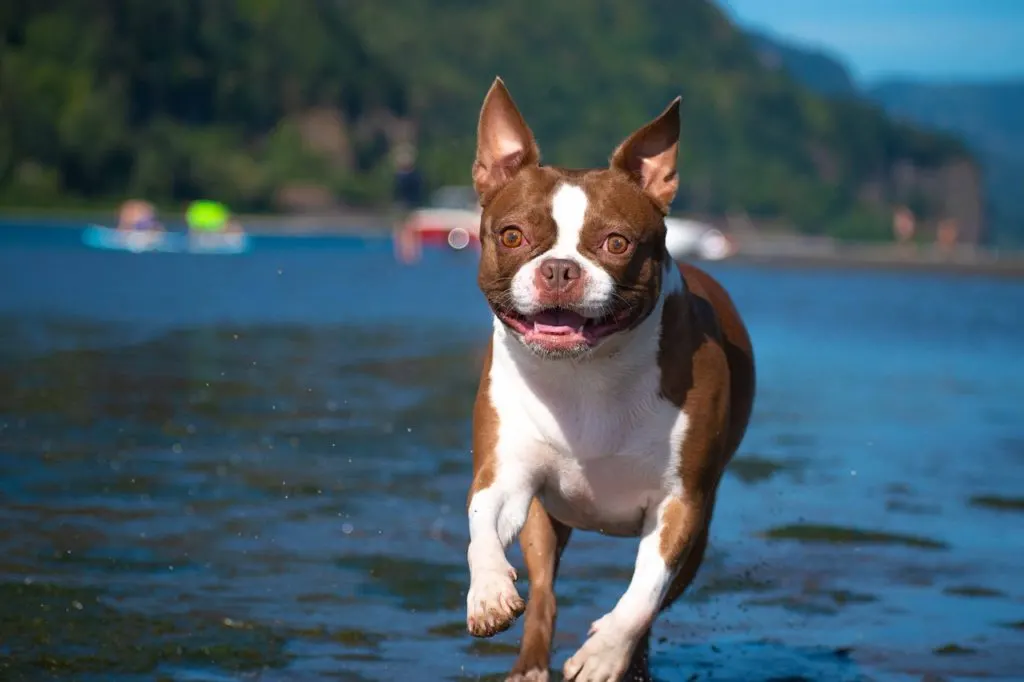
<point>580,328</point>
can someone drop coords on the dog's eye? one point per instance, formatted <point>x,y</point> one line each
<point>616,244</point>
<point>511,237</point>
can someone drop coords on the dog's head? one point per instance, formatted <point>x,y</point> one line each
<point>570,258</point>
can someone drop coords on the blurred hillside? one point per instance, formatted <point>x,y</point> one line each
<point>270,104</point>
<point>988,117</point>
<point>174,99</point>
<point>816,69</point>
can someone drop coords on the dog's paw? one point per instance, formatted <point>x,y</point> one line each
<point>493,603</point>
<point>604,657</point>
<point>532,675</point>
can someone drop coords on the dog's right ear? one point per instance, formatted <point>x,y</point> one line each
<point>504,143</point>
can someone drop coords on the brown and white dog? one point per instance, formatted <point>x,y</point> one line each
<point>617,387</point>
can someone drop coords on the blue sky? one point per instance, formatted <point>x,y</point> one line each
<point>927,39</point>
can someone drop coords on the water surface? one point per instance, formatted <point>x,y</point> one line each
<point>254,467</point>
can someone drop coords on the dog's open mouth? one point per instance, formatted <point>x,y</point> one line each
<point>562,329</point>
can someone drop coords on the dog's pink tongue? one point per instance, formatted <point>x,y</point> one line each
<point>558,322</point>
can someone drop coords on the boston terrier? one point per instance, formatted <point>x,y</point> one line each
<point>617,386</point>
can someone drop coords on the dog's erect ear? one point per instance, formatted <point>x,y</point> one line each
<point>649,156</point>
<point>504,143</point>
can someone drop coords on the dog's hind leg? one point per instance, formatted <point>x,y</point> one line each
<point>542,540</point>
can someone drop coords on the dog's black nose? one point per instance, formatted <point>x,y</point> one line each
<point>559,273</point>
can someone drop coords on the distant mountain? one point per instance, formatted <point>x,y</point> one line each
<point>988,117</point>
<point>812,68</point>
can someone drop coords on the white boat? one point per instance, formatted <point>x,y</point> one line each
<point>693,239</point>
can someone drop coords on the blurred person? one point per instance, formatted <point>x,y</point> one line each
<point>407,196</point>
<point>408,188</point>
<point>946,235</point>
<point>903,224</point>
<point>408,245</point>
<point>137,215</point>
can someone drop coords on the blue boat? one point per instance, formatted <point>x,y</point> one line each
<point>100,237</point>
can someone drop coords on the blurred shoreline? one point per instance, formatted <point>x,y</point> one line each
<point>801,251</point>
<point>755,248</point>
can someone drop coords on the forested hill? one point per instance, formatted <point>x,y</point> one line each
<point>172,99</point>
<point>753,138</point>
<point>244,99</point>
<point>989,117</point>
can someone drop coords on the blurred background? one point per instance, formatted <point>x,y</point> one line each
<point>240,332</point>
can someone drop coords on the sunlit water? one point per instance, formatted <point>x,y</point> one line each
<point>255,467</point>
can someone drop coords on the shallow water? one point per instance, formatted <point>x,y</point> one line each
<point>254,467</point>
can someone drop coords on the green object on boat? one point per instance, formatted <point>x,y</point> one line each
<point>207,216</point>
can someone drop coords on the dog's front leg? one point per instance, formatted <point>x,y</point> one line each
<point>669,533</point>
<point>497,513</point>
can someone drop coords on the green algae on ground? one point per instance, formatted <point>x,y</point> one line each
<point>794,439</point>
<point>356,638</point>
<point>53,629</point>
<point>954,650</point>
<point>819,533</point>
<point>753,469</point>
<point>842,597</point>
<point>998,502</point>
<point>912,507</point>
<point>814,602</point>
<point>348,637</point>
<point>489,647</point>
<point>796,604</point>
<point>448,630</point>
<point>972,591</point>
<point>490,677</point>
<point>728,584</point>
<point>418,585</point>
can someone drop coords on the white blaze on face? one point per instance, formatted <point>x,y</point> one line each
<point>569,210</point>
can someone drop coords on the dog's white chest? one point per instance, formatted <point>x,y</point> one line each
<point>599,442</point>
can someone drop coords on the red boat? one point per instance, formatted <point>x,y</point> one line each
<point>451,221</point>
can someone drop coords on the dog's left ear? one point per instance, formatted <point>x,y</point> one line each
<point>649,156</point>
